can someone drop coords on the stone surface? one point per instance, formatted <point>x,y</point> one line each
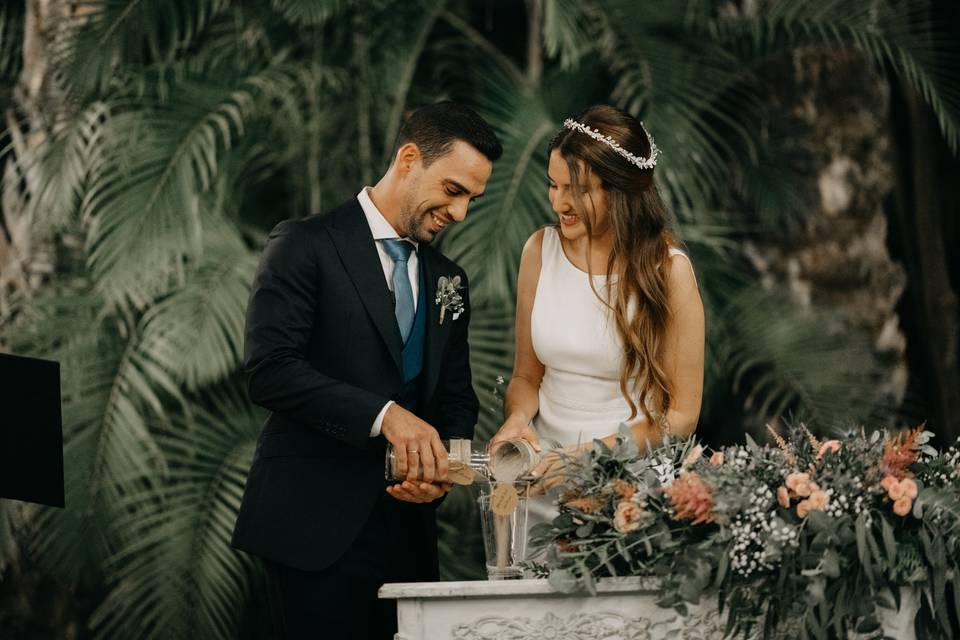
<point>623,609</point>
<point>836,106</point>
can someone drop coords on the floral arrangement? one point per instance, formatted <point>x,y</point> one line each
<point>802,538</point>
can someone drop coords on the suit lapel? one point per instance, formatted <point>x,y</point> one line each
<point>436,333</point>
<point>358,252</point>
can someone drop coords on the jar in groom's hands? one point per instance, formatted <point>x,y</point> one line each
<point>420,456</point>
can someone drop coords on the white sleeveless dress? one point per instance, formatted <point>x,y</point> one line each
<point>576,339</point>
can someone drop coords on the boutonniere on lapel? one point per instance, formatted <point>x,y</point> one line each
<point>448,296</point>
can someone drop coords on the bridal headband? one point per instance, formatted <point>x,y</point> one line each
<point>643,163</point>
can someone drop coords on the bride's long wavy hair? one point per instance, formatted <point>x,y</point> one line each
<point>637,221</point>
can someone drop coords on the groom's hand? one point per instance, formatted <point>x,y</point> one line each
<point>418,491</point>
<point>416,446</point>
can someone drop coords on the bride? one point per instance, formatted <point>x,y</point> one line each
<point>609,323</point>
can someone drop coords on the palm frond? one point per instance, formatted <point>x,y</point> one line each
<point>802,362</point>
<point>488,244</point>
<point>108,392</point>
<point>64,163</point>
<point>900,35</point>
<point>12,15</point>
<point>491,361</point>
<point>311,13</point>
<point>11,518</point>
<point>691,93</point>
<point>400,67</point>
<point>196,333</point>
<point>112,33</point>
<point>143,203</point>
<point>568,32</point>
<point>174,574</point>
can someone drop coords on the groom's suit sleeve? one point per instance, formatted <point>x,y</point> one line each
<point>279,326</point>
<point>457,401</point>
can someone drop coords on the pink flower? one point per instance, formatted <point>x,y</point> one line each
<point>899,490</point>
<point>896,491</point>
<point>690,498</point>
<point>797,479</point>
<point>627,518</point>
<point>589,504</point>
<point>830,445</point>
<point>717,458</point>
<point>887,482</point>
<point>623,489</point>
<point>693,456</point>
<point>565,546</point>
<point>902,506</point>
<point>818,500</point>
<point>783,497</point>
<point>909,487</point>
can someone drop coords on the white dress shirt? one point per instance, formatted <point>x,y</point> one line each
<point>383,230</point>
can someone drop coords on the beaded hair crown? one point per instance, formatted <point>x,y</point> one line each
<point>643,163</point>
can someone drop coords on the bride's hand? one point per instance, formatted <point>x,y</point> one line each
<point>550,472</point>
<point>516,428</point>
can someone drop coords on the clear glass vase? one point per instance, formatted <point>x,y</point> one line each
<point>504,539</point>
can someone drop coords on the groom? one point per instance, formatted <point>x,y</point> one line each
<point>346,347</point>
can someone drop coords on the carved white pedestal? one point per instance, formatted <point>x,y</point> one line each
<point>624,609</point>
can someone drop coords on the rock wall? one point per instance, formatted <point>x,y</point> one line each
<point>835,106</point>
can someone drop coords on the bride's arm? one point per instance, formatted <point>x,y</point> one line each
<point>682,357</point>
<point>523,399</point>
<point>683,348</point>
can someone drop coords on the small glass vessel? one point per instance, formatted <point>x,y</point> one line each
<point>504,539</point>
<point>467,452</point>
<point>508,461</point>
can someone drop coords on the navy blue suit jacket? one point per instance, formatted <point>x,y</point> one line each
<point>322,353</point>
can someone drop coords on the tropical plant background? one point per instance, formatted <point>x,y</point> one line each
<point>810,157</point>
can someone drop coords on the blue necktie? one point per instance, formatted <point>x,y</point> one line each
<point>399,251</point>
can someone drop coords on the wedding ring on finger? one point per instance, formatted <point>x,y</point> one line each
<point>413,451</point>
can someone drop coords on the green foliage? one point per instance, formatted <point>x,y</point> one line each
<point>779,356</point>
<point>11,39</point>
<point>193,126</point>
<point>173,573</point>
<point>808,540</point>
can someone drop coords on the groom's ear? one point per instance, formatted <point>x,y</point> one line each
<point>407,158</point>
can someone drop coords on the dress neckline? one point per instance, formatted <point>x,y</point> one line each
<point>673,251</point>
<point>569,262</point>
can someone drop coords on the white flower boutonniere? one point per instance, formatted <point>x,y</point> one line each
<point>448,296</point>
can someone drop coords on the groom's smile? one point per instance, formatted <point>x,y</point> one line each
<point>439,220</point>
<point>441,192</point>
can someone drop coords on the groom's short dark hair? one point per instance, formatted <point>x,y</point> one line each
<point>435,127</point>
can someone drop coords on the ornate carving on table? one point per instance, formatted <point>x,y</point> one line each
<point>623,609</point>
<point>591,626</point>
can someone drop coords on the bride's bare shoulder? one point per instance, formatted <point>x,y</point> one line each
<point>533,248</point>
<point>535,241</point>
<point>681,278</point>
<point>530,260</point>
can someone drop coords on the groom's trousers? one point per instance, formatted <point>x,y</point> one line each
<point>341,600</point>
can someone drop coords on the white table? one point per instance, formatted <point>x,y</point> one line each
<point>624,609</point>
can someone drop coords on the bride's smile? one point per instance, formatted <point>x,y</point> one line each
<point>572,197</point>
